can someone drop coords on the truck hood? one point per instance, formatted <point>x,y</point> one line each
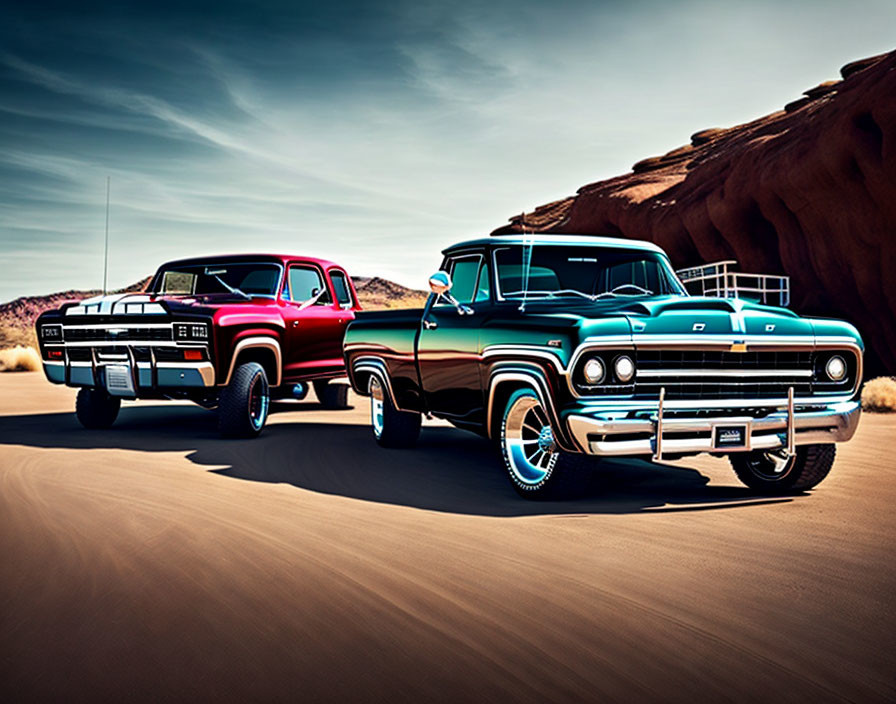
<point>155,304</point>
<point>730,317</point>
<point>689,317</point>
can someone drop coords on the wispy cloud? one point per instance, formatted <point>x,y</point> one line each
<point>371,136</point>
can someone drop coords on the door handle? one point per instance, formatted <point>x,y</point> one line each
<point>295,323</point>
<point>430,325</point>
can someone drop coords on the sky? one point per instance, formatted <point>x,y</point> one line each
<point>373,134</point>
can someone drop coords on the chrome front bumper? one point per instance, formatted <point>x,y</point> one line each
<point>146,376</point>
<point>673,432</point>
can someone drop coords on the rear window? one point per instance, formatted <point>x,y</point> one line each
<point>340,284</point>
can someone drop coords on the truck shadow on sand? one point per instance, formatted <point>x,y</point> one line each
<point>450,470</point>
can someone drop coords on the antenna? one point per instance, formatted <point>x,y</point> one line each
<point>106,247</point>
<point>527,262</point>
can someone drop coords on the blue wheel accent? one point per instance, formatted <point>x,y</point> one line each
<point>527,440</point>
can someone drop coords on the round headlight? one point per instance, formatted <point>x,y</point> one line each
<point>594,371</point>
<point>625,368</point>
<point>835,368</point>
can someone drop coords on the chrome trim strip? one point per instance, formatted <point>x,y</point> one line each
<point>551,354</point>
<point>791,432</point>
<point>122,325</point>
<point>374,365</point>
<point>658,433</point>
<point>126,343</point>
<point>533,379</point>
<point>709,371</point>
<point>836,423</point>
<point>258,342</point>
<point>206,369</point>
<point>629,342</point>
<point>706,403</point>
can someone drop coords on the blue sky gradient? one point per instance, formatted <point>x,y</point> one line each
<point>371,136</point>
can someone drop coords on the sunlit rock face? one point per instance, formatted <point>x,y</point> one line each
<point>809,191</point>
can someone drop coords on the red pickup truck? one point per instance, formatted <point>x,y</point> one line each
<point>229,332</point>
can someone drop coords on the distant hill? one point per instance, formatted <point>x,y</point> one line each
<point>808,191</point>
<point>17,317</point>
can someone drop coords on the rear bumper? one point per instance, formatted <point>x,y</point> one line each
<point>147,377</point>
<point>655,433</point>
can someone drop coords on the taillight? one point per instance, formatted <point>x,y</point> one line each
<point>193,355</point>
<point>54,354</point>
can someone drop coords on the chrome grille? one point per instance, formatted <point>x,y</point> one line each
<point>707,360</point>
<point>713,374</point>
<point>117,334</point>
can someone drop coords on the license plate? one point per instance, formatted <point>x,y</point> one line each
<point>119,381</point>
<point>729,436</point>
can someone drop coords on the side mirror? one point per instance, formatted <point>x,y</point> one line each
<point>440,283</point>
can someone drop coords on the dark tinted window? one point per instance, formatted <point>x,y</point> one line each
<point>563,270</point>
<point>204,279</point>
<point>343,294</point>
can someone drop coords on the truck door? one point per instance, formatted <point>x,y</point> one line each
<point>448,346</point>
<point>315,323</point>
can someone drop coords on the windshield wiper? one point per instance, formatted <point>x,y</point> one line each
<point>639,291</point>
<point>567,291</point>
<point>233,289</point>
<point>551,294</point>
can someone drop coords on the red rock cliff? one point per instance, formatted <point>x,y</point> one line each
<point>809,191</point>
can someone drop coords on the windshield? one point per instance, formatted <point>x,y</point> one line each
<point>587,272</point>
<point>236,278</point>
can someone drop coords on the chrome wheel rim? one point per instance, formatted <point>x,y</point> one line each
<point>376,406</point>
<point>772,466</point>
<point>259,400</point>
<point>529,446</point>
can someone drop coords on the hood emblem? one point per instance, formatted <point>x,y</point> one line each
<point>698,327</point>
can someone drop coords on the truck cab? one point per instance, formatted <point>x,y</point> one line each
<point>226,331</point>
<point>565,349</point>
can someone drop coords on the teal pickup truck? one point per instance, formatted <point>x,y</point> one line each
<point>566,348</point>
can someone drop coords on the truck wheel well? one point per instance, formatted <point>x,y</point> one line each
<point>502,393</point>
<point>263,356</point>
<point>362,382</point>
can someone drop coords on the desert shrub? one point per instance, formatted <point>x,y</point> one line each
<point>879,394</point>
<point>19,359</point>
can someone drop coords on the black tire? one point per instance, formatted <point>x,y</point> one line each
<point>536,468</point>
<point>331,396</point>
<point>391,427</point>
<point>96,409</point>
<point>771,474</point>
<point>245,402</point>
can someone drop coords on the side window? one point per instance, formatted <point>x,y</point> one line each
<point>303,283</point>
<point>483,288</point>
<point>464,272</point>
<point>340,285</point>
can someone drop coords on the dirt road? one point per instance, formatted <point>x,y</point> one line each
<point>155,561</point>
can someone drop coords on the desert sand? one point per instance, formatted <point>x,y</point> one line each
<point>155,561</point>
